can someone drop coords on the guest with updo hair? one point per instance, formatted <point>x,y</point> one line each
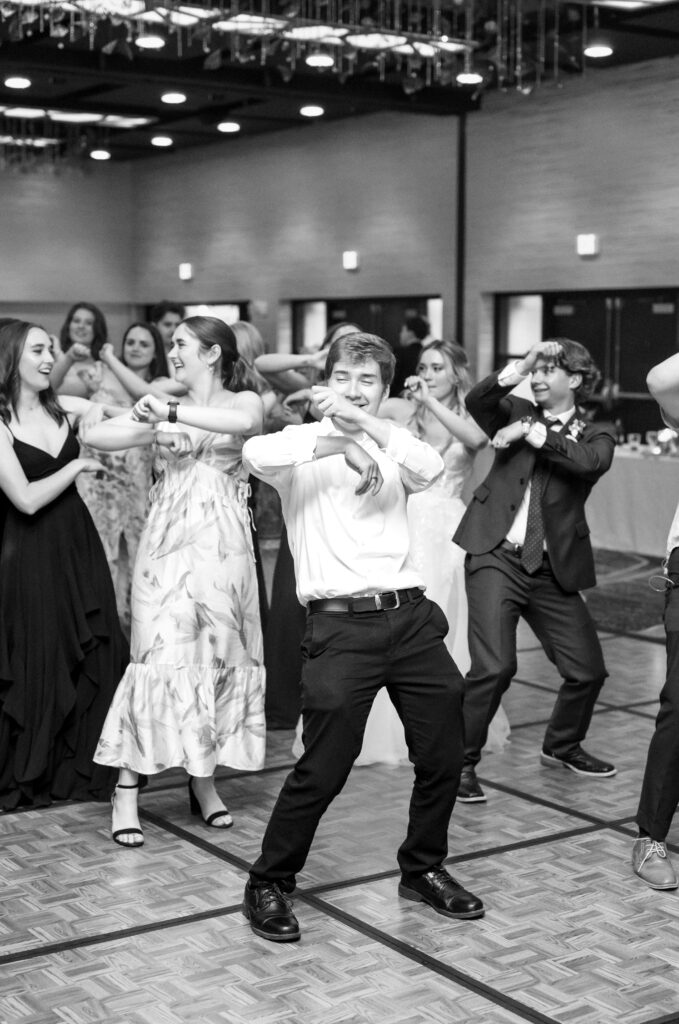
<point>193,694</point>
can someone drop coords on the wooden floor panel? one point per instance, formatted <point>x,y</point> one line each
<point>92,933</point>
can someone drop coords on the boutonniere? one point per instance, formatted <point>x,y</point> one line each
<point>575,429</point>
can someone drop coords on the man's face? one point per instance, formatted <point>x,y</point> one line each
<point>167,326</point>
<point>553,388</point>
<point>360,383</point>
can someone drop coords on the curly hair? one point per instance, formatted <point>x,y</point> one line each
<point>13,334</point>
<point>575,358</point>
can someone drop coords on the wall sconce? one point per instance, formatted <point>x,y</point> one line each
<point>185,271</point>
<point>587,246</point>
<point>350,260</point>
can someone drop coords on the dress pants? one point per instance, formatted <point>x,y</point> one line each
<point>660,788</point>
<point>348,657</point>
<point>499,592</point>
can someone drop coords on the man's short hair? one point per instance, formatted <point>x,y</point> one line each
<point>575,358</point>
<point>417,325</point>
<point>359,348</point>
<point>161,308</point>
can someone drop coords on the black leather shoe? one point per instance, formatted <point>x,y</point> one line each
<point>442,893</point>
<point>469,790</point>
<point>580,762</point>
<point>269,912</point>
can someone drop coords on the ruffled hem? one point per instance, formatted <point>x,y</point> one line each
<point>195,717</point>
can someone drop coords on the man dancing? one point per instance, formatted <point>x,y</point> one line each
<point>343,484</point>
<point>529,552</point>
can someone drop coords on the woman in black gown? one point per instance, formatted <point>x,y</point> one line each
<point>62,652</point>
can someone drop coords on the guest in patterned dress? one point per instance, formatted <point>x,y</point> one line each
<point>193,695</point>
<point>119,504</point>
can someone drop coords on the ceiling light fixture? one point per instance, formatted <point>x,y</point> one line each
<point>150,42</point>
<point>17,82</point>
<point>162,141</point>
<point>311,111</point>
<point>598,51</point>
<point>320,60</point>
<point>100,154</point>
<point>173,97</point>
<point>228,127</point>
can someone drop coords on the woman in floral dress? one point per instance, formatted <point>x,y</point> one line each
<point>193,695</point>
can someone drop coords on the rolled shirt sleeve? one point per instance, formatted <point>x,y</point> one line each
<point>419,463</point>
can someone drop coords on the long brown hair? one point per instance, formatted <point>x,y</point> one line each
<point>99,328</point>
<point>13,334</point>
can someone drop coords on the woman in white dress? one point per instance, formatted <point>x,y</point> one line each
<point>435,412</point>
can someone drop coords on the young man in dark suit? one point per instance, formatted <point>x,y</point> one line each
<point>528,549</point>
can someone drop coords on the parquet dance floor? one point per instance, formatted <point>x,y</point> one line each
<point>94,933</point>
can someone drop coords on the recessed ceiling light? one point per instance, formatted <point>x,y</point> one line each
<point>469,78</point>
<point>173,97</point>
<point>150,42</point>
<point>320,60</point>
<point>312,111</point>
<point>250,25</point>
<point>228,127</point>
<point>162,141</point>
<point>100,154</point>
<point>17,82</point>
<point>597,51</point>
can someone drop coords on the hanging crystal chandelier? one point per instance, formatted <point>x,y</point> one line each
<point>469,44</point>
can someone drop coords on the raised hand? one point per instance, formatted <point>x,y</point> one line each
<point>150,409</point>
<point>329,403</point>
<point>508,435</point>
<point>541,350</point>
<point>418,389</point>
<point>178,443</point>
<point>370,477</point>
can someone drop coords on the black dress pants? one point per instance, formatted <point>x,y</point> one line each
<point>347,658</point>
<point>499,592</point>
<point>660,788</point>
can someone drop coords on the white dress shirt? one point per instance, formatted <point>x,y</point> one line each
<point>536,436</point>
<point>343,543</point>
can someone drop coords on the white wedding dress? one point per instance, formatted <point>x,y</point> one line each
<point>433,516</point>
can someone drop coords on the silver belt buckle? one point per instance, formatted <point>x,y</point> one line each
<point>388,593</point>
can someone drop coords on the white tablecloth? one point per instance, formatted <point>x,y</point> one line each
<point>631,507</point>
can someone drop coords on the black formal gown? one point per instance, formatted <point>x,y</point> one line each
<point>62,651</point>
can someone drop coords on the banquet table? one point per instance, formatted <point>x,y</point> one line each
<point>632,505</point>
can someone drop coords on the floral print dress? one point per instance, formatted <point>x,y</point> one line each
<point>193,695</point>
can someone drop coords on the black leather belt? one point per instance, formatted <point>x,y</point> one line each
<point>385,602</point>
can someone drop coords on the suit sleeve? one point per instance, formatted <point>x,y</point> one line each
<point>588,458</point>
<point>488,405</point>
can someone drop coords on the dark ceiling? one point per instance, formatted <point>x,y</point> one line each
<point>262,88</point>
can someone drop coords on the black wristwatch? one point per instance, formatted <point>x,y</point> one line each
<point>172,414</point>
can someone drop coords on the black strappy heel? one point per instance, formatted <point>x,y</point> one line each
<point>126,831</point>
<point>195,808</point>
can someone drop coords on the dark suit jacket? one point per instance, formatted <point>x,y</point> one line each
<point>572,467</point>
